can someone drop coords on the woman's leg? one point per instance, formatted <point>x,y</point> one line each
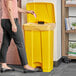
<point>4,47</point>
<point>19,41</point>
<point>5,43</point>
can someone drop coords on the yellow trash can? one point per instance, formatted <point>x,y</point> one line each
<point>39,37</point>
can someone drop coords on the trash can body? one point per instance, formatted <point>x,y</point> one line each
<point>39,38</point>
<point>33,47</point>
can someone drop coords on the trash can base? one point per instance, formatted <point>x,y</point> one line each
<point>47,69</point>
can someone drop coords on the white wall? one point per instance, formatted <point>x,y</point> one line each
<point>23,3</point>
<point>57,34</point>
<point>58,29</point>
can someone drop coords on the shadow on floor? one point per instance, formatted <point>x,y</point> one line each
<point>62,70</point>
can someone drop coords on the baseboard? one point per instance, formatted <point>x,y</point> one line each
<point>57,63</point>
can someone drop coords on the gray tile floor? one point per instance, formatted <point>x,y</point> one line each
<point>62,70</point>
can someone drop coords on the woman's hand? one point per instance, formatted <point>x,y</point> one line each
<point>32,12</point>
<point>14,28</point>
<point>26,11</point>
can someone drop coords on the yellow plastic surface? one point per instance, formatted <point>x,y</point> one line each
<point>39,49</point>
<point>39,27</point>
<point>39,42</point>
<point>44,12</point>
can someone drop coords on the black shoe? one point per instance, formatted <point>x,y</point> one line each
<point>31,71</point>
<point>6,70</point>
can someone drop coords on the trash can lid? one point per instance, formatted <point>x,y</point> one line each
<point>45,12</point>
<point>40,27</point>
